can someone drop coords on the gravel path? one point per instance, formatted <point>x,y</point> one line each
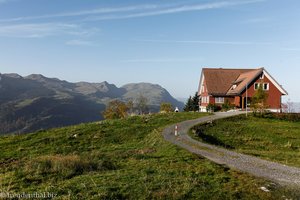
<point>276,172</point>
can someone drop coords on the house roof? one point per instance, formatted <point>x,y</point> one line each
<point>243,80</point>
<point>227,82</point>
<point>219,81</point>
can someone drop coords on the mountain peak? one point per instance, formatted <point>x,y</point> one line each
<point>142,85</point>
<point>35,77</point>
<point>105,83</point>
<point>155,93</point>
<point>105,86</point>
<point>42,78</point>
<point>13,75</point>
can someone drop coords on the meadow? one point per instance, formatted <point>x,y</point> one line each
<point>121,159</point>
<point>275,138</point>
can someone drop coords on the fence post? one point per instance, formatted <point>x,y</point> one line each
<point>176,130</point>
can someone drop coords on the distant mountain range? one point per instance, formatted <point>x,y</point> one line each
<point>36,102</point>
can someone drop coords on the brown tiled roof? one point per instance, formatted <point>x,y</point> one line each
<point>219,81</point>
<point>244,79</point>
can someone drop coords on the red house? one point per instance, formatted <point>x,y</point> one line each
<point>218,85</point>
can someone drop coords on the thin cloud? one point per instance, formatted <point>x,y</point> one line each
<point>205,42</point>
<point>135,11</point>
<point>83,13</point>
<point>43,30</point>
<point>177,9</point>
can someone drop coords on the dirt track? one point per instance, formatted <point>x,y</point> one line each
<point>282,174</point>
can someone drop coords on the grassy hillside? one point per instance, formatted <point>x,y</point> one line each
<point>272,139</point>
<point>119,159</point>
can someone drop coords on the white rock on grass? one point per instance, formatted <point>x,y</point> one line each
<point>264,189</point>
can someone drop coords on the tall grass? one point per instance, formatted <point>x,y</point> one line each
<point>67,166</point>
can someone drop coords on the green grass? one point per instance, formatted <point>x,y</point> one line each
<point>271,139</point>
<point>120,159</point>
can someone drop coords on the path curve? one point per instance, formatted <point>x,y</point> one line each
<point>282,174</point>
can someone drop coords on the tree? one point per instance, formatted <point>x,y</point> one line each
<point>130,106</point>
<point>259,100</point>
<point>166,107</point>
<point>195,105</point>
<point>290,106</point>
<point>142,105</point>
<point>115,110</point>
<point>188,105</point>
<point>192,104</point>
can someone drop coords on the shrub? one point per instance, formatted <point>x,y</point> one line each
<point>115,110</point>
<point>227,106</point>
<point>166,107</point>
<point>213,108</point>
<point>292,117</point>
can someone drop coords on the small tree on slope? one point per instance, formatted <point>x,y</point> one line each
<point>259,100</point>
<point>115,110</point>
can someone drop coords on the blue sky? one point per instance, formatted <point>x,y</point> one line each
<point>165,42</point>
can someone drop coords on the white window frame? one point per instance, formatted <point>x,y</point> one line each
<point>257,85</point>
<point>219,99</point>
<point>205,99</point>
<point>266,84</point>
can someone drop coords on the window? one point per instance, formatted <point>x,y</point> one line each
<point>233,87</point>
<point>266,86</point>
<point>205,99</point>
<point>219,99</point>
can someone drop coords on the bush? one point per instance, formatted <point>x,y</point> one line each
<point>115,110</point>
<point>292,117</point>
<point>227,106</point>
<point>213,108</point>
<point>166,107</point>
